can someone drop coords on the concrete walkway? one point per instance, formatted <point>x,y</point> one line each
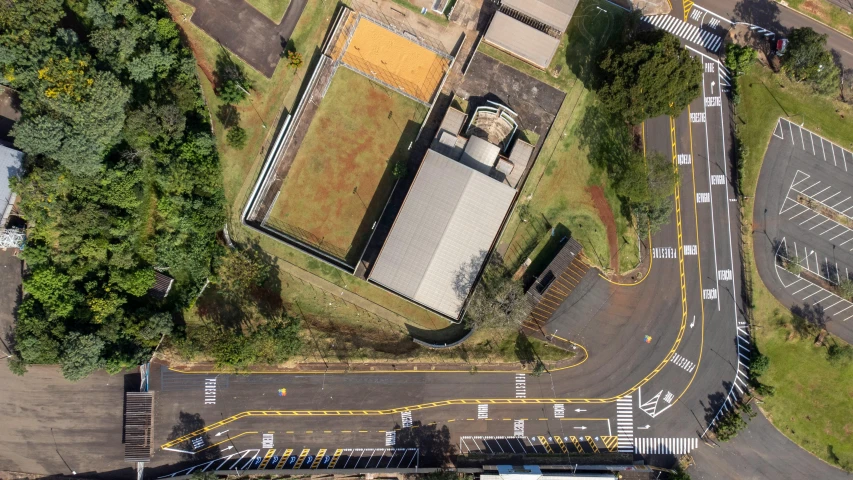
<point>247,32</point>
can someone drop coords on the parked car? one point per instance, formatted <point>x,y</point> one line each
<point>781,46</point>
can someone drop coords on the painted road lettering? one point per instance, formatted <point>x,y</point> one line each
<point>685,159</point>
<point>698,117</point>
<point>267,440</point>
<point>724,275</point>
<point>210,391</point>
<point>703,197</point>
<point>718,179</point>
<point>709,67</point>
<point>663,252</point>
<point>709,294</point>
<point>691,250</point>
<point>713,102</point>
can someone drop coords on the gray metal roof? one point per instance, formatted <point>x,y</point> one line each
<point>554,13</point>
<point>10,166</point>
<point>442,234</point>
<point>520,157</point>
<point>521,40</point>
<point>480,155</point>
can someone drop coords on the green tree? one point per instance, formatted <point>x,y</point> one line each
<point>231,81</point>
<point>807,59</point>
<point>729,425</point>
<point>155,327</point>
<point>538,368</point>
<point>53,290</point>
<point>81,355</point>
<point>792,264</point>
<point>276,341</point>
<point>649,77</point>
<point>498,301</point>
<point>294,60</point>
<point>241,272</point>
<point>17,365</point>
<point>759,365</point>
<point>739,58</point>
<point>400,169</point>
<point>680,474</point>
<point>236,137</point>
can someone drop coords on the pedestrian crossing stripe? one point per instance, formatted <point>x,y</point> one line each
<point>610,442</point>
<point>318,458</point>
<point>284,457</point>
<point>335,457</point>
<point>561,444</point>
<point>591,442</point>
<point>576,443</point>
<point>266,459</point>
<point>301,458</point>
<point>545,444</point>
<point>665,446</point>
<point>688,32</point>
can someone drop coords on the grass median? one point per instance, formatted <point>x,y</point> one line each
<point>813,398</point>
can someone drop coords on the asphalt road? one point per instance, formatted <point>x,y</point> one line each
<point>801,167</point>
<point>776,18</point>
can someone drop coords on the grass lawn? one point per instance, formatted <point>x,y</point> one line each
<point>274,9</point>
<point>832,15</point>
<point>435,17</point>
<point>557,187</point>
<point>813,398</point>
<point>341,176</point>
<point>240,168</point>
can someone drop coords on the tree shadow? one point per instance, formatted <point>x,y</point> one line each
<point>715,402</point>
<point>556,239</point>
<point>466,276</point>
<point>524,349</point>
<point>198,447</point>
<point>433,442</point>
<point>806,318</point>
<point>228,115</point>
<point>763,13</point>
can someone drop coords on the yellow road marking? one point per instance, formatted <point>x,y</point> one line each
<point>335,457</point>
<point>561,444</point>
<point>219,443</point>
<point>544,442</point>
<point>591,443</point>
<point>318,459</point>
<point>610,442</point>
<point>301,458</point>
<point>688,5</point>
<point>284,457</point>
<point>576,443</point>
<point>266,459</point>
<point>699,261</point>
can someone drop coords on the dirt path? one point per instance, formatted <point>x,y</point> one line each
<point>606,216</point>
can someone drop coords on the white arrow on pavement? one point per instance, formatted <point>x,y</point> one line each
<point>579,410</point>
<point>644,428</point>
<point>580,428</point>
<point>712,87</point>
<point>693,322</point>
<point>221,433</point>
<point>227,448</point>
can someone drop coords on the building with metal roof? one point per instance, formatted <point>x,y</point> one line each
<point>11,161</point>
<point>521,40</point>
<point>442,235</point>
<point>555,14</point>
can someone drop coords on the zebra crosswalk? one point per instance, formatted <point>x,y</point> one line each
<point>625,424</point>
<point>683,362</point>
<point>664,446</point>
<point>688,32</point>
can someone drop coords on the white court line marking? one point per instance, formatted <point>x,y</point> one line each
<point>827,198</point>
<point>801,138</point>
<point>832,147</point>
<point>805,209</point>
<point>830,228</point>
<point>819,224</point>
<point>803,191</point>
<point>823,148</point>
<point>791,131</point>
<point>839,203</point>
<point>815,215</point>
<point>811,137</point>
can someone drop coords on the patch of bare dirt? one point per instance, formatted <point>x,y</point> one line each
<point>606,215</point>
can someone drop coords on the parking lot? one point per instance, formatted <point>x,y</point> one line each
<point>804,202</point>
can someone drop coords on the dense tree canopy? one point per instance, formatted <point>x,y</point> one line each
<point>650,76</point>
<point>121,178</point>
<point>807,59</point>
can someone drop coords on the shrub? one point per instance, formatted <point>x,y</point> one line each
<point>236,137</point>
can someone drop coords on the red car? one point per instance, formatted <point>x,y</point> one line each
<point>781,45</point>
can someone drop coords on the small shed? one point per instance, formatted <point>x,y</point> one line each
<point>162,286</point>
<point>521,40</point>
<point>11,162</point>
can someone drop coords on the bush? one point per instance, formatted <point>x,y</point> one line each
<point>845,289</point>
<point>792,264</point>
<point>759,365</point>
<point>839,354</point>
<point>236,137</point>
<point>17,365</point>
<point>400,170</point>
